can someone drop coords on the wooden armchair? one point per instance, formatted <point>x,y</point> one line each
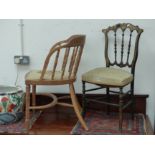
<point>62,72</point>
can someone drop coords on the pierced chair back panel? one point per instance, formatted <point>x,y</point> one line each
<point>63,59</point>
<point>121,45</point>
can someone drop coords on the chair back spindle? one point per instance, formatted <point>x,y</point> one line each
<point>65,62</point>
<point>115,47</point>
<point>127,38</point>
<point>122,48</point>
<point>67,58</point>
<point>55,63</point>
<point>73,57</point>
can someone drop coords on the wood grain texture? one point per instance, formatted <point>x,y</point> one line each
<point>76,42</point>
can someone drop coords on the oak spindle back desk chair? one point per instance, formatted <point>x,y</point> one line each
<point>62,72</point>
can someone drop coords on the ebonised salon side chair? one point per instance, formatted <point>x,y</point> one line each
<point>121,53</point>
<point>60,68</point>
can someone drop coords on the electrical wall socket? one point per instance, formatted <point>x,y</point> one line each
<point>21,60</point>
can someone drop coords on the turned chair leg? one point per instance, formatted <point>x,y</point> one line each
<point>77,106</point>
<point>120,110</point>
<point>133,100</point>
<point>108,100</point>
<point>84,104</point>
<point>133,107</point>
<point>27,110</point>
<point>33,96</point>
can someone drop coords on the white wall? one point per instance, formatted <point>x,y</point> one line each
<point>40,35</point>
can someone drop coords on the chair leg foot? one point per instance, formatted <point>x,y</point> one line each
<point>76,106</point>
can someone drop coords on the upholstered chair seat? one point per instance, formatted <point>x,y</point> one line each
<point>36,74</point>
<point>108,76</point>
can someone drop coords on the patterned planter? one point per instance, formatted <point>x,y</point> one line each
<point>11,104</point>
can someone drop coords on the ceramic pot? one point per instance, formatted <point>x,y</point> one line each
<point>11,104</point>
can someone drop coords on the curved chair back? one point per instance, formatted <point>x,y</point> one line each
<point>66,56</point>
<point>122,40</point>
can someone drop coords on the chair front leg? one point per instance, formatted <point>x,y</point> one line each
<point>83,98</point>
<point>120,109</point>
<point>108,100</point>
<point>33,96</point>
<point>133,100</point>
<point>76,106</point>
<point>27,109</point>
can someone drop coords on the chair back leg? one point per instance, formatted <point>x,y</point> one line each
<point>133,100</point>
<point>120,109</point>
<point>76,106</point>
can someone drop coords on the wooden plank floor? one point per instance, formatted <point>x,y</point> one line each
<point>55,121</point>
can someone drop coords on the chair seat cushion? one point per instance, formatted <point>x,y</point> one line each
<point>108,76</point>
<point>35,75</point>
